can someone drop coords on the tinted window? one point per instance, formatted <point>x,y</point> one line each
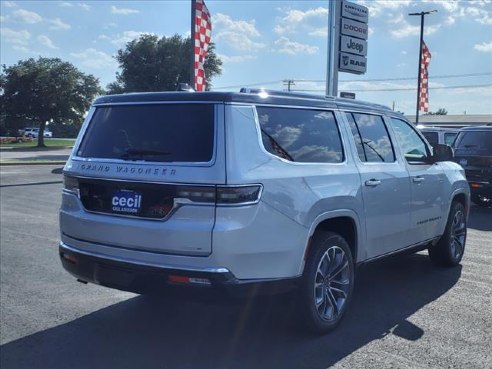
<point>372,139</point>
<point>412,146</point>
<point>432,137</point>
<point>307,136</point>
<point>474,143</point>
<point>164,133</point>
<point>449,138</point>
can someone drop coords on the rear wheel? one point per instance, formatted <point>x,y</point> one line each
<point>450,248</point>
<point>327,283</point>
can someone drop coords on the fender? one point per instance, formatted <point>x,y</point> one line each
<point>348,213</point>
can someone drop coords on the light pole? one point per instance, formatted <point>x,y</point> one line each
<point>422,15</point>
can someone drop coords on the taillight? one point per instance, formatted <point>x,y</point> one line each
<point>71,184</point>
<point>220,195</point>
<point>238,195</point>
<point>196,193</point>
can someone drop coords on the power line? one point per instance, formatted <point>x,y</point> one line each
<point>366,80</point>
<point>400,89</point>
<point>408,78</point>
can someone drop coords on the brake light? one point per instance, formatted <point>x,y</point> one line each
<point>196,193</point>
<point>235,195</point>
<point>221,195</point>
<point>180,279</point>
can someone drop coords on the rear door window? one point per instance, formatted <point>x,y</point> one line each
<point>301,135</point>
<point>160,133</point>
<point>371,138</point>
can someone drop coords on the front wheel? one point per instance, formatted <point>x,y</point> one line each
<point>450,248</point>
<point>327,283</point>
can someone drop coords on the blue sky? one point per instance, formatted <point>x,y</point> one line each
<point>263,43</point>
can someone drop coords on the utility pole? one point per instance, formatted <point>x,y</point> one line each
<point>422,15</point>
<point>288,83</point>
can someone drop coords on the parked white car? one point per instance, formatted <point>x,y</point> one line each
<point>34,132</point>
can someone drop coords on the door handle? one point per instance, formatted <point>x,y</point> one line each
<point>418,179</point>
<point>373,182</point>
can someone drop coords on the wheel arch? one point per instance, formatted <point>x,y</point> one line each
<point>343,222</point>
<point>463,198</point>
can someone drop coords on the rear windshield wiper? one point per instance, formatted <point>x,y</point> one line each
<point>140,153</point>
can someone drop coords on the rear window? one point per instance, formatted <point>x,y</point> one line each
<point>474,143</point>
<point>432,137</point>
<point>160,133</point>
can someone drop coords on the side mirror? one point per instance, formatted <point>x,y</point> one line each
<point>442,153</point>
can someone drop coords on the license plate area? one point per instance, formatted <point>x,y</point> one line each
<point>142,200</point>
<point>126,202</point>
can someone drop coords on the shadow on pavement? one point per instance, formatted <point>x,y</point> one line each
<point>480,218</point>
<point>145,332</point>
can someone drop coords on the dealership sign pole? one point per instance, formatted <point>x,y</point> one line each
<point>347,41</point>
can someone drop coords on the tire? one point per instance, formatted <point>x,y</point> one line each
<point>327,283</point>
<point>481,201</point>
<point>449,251</point>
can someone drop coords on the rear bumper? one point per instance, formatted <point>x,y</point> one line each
<point>145,278</point>
<point>480,188</point>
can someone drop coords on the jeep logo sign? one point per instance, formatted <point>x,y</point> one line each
<point>353,45</point>
<point>354,28</point>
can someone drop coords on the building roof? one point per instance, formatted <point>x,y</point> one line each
<point>449,120</point>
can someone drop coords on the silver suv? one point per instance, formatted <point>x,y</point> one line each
<point>233,191</point>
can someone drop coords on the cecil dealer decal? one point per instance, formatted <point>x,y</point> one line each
<point>125,201</point>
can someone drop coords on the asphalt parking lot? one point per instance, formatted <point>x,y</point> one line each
<point>405,313</point>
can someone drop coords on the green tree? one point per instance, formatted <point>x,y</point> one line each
<point>150,63</point>
<point>45,90</point>
<point>440,111</point>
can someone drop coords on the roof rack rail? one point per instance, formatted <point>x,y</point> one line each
<point>283,93</point>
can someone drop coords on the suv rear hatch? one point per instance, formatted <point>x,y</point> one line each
<point>149,174</point>
<point>473,151</point>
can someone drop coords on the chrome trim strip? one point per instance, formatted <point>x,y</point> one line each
<point>160,102</point>
<point>402,250</point>
<point>220,270</point>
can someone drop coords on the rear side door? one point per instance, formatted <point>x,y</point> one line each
<point>427,182</point>
<point>385,185</point>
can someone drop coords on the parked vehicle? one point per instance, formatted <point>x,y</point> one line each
<point>34,132</point>
<point>254,189</point>
<point>439,135</point>
<point>473,151</point>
